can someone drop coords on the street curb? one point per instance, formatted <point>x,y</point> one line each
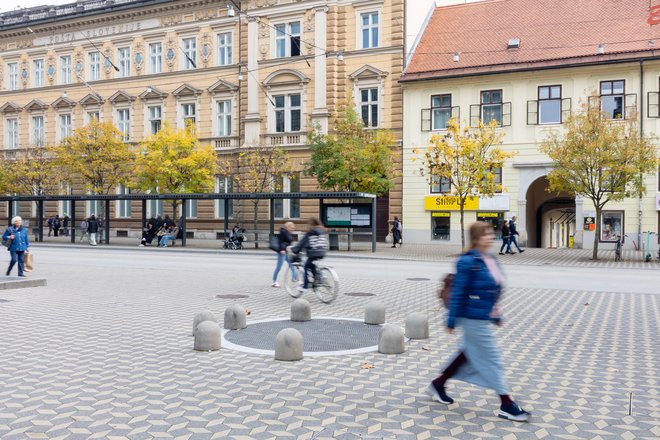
<point>10,283</point>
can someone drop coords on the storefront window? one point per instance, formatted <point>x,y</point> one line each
<point>440,225</point>
<point>494,218</point>
<point>611,225</point>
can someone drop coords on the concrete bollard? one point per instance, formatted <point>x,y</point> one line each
<point>391,340</point>
<point>417,326</point>
<point>235,317</point>
<point>301,310</point>
<point>206,315</point>
<point>374,313</point>
<point>207,336</point>
<point>288,345</point>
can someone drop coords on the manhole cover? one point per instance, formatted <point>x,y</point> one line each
<point>232,296</point>
<point>359,294</point>
<point>418,279</point>
<point>321,336</point>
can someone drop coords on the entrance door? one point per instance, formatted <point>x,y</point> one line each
<point>382,217</point>
<point>550,217</point>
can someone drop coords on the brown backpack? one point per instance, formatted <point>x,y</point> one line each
<point>444,295</point>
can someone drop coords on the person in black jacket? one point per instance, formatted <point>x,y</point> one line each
<point>514,231</point>
<point>93,229</point>
<point>315,245</point>
<point>506,238</point>
<point>285,239</point>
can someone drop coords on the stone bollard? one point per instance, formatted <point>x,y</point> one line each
<point>417,326</point>
<point>391,340</point>
<point>235,317</point>
<point>206,315</point>
<point>374,313</point>
<point>288,345</point>
<point>207,336</point>
<point>301,310</point>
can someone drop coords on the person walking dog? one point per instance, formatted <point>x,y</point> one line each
<point>475,292</point>
<point>16,236</point>
<point>514,231</point>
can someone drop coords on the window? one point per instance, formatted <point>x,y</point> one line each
<point>154,207</point>
<point>125,62</point>
<point>440,111</point>
<point>550,105</point>
<point>65,65</point>
<point>369,106</point>
<point>124,117</point>
<point>440,185</point>
<point>65,205</point>
<point>189,115</point>
<point>94,66</point>
<point>287,113</point>
<point>13,76</point>
<point>94,207</point>
<point>38,73</point>
<point>224,49</point>
<point>65,126</point>
<point>12,133</point>
<point>369,28</point>
<point>497,171</point>
<point>93,116</point>
<point>155,119</point>
<point>123,206</point>
<point>611,225</point>
<point>287,40</point>
<point>440,225</point>
<point>191,208</point>
<point>224,118</point>
<point>223,185</point>
<point>38,131</point>
<point>190,51</point>
<point>491,106</point>
<point>612,98</point>
<point>287,208</point>
<point>156,57</point>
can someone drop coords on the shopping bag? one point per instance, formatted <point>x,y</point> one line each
<point>29,262</point>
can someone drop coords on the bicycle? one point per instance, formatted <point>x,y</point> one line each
<point>325,283</point>
<point>617,248</point>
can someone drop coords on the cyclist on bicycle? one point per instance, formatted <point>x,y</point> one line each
<point>315,244</point>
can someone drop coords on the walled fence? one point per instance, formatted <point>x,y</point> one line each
<point>370,230</point>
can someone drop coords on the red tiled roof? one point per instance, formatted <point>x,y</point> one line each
<point>551,32</point>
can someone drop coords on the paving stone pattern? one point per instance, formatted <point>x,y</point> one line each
<point>102,356</point>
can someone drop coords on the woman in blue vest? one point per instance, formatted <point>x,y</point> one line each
<point>19,245</point>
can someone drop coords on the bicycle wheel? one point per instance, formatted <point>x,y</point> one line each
<point>291,282</point>
<point>327,287</point>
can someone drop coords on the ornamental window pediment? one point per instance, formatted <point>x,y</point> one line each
<point>36,105</point>
<point>367,72</point>
<point>223,86</point>
<point>91,99</point>
<point>63,102</point>
<point>153,93</point>
<point>121,97</point>
<point>10,107</point>
<point>286,77</point>
<point>186,90</point>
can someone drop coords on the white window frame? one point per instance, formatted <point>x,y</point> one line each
<point>13,133</point>
<point>226,48</point>
<point>224,114</point>
<point>123,207</point>
<point>190,52</point>
<point>65,205</point>
<point>155,207</point>
<point>192,208</point>
<point>358,28</point>
<point>124,57</point>
<point>39,72</point>
<point>286,203</point>
<point>288,108</point>
<point>184,106</point>
<point>370,103</point>
<point>60,127</point>
<point>223,188</point>
<point>124,123</point>
<point>370,27</point>
<point>94,66</point>
<point>92,114</point>
<point>156,57</point>
<point>370,83</point>
<point>151,118</point>
<point>12,72</point>
<point>65,69</point>
<point>94,207</point>
<point>286,38</point>
<point>37,133</point>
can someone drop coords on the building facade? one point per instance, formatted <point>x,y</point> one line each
<point>529,70</point>
<point>262,75</point>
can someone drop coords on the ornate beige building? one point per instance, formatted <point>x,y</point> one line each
<point>262,75</point>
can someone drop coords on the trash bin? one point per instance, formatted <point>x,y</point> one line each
<point>334,240</point>
<point>571,241</point>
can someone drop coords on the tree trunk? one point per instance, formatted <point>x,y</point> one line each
<point>462,205</point>
<point>594,255</point>
<point>255,220</point>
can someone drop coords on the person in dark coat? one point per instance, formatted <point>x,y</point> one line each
<point>49,222</point>
<point>92,229</point>
<point>149,233</point>
<point>20,244</point>
<point>514,233</point>
<point>396,232</point>
<point>285,239</point>
<point>65,225</point>
<point>315,245</point>
<point>57,224</point>
<point>506,238</point>
<point>475,292</point>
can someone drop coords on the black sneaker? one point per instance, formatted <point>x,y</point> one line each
<point>440,395</point>
<point>501,253</point>
<point>513,412</point>
<point>522,250</point>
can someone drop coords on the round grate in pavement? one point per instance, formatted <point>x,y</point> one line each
<point>323,336</point>
<point>418,279</point>
<point>231,296</point>
<point>359,294</point>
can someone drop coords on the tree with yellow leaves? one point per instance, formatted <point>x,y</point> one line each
<point>30,171</point>
<point>174,162</point>
<point>466,159</point>
<point>600,159</point>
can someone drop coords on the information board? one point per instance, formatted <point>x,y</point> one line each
<point>355,215</point>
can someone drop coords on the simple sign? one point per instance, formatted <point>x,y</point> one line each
<point>449,203</point>
<point>355,215</point>
<point>589,224</point>
<point>440,214</point>
<point>488,214</point>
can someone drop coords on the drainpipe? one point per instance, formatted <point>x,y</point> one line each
<point>641,134</point>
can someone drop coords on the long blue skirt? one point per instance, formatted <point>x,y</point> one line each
<point>484,366</point>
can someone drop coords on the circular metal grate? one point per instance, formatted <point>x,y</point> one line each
<point>418,279</point>
<point>359,294</point>
<point>231,296</point>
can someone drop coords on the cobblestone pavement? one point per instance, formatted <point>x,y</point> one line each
<point>105,352</point>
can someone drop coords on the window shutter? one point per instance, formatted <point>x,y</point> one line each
<point>475,115</point>
<point>456,113</point>
<point>631,105</point>
<point>532,112</point>
<point>426,119</point>
<point>653,109</point>
<point>566,108</point>
<point>506,114</point>
<point>594,102</point>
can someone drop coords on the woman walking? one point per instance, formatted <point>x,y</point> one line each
<point>19,245</point>
<point>285,240</point>
<point>475,292</point>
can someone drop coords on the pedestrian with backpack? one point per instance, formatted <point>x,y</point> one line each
<point>475,291</point>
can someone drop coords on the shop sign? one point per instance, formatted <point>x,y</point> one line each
<point>589,223</point>
<point>449,203</point>
<point>440,214</point>
<point>488,214</point>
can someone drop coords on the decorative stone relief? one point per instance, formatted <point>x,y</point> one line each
<point>171,20</point>
<point>138,50</point>
<point>25,70</point>
<point>171,50</point>
<point>308,34</point>
<point>50,67</point>
<point>254,4</point>
<point>79,63</point>
<point>264,40</point>
<point>2,63</point>
<point>107,56</point>
<point>205,48</point>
